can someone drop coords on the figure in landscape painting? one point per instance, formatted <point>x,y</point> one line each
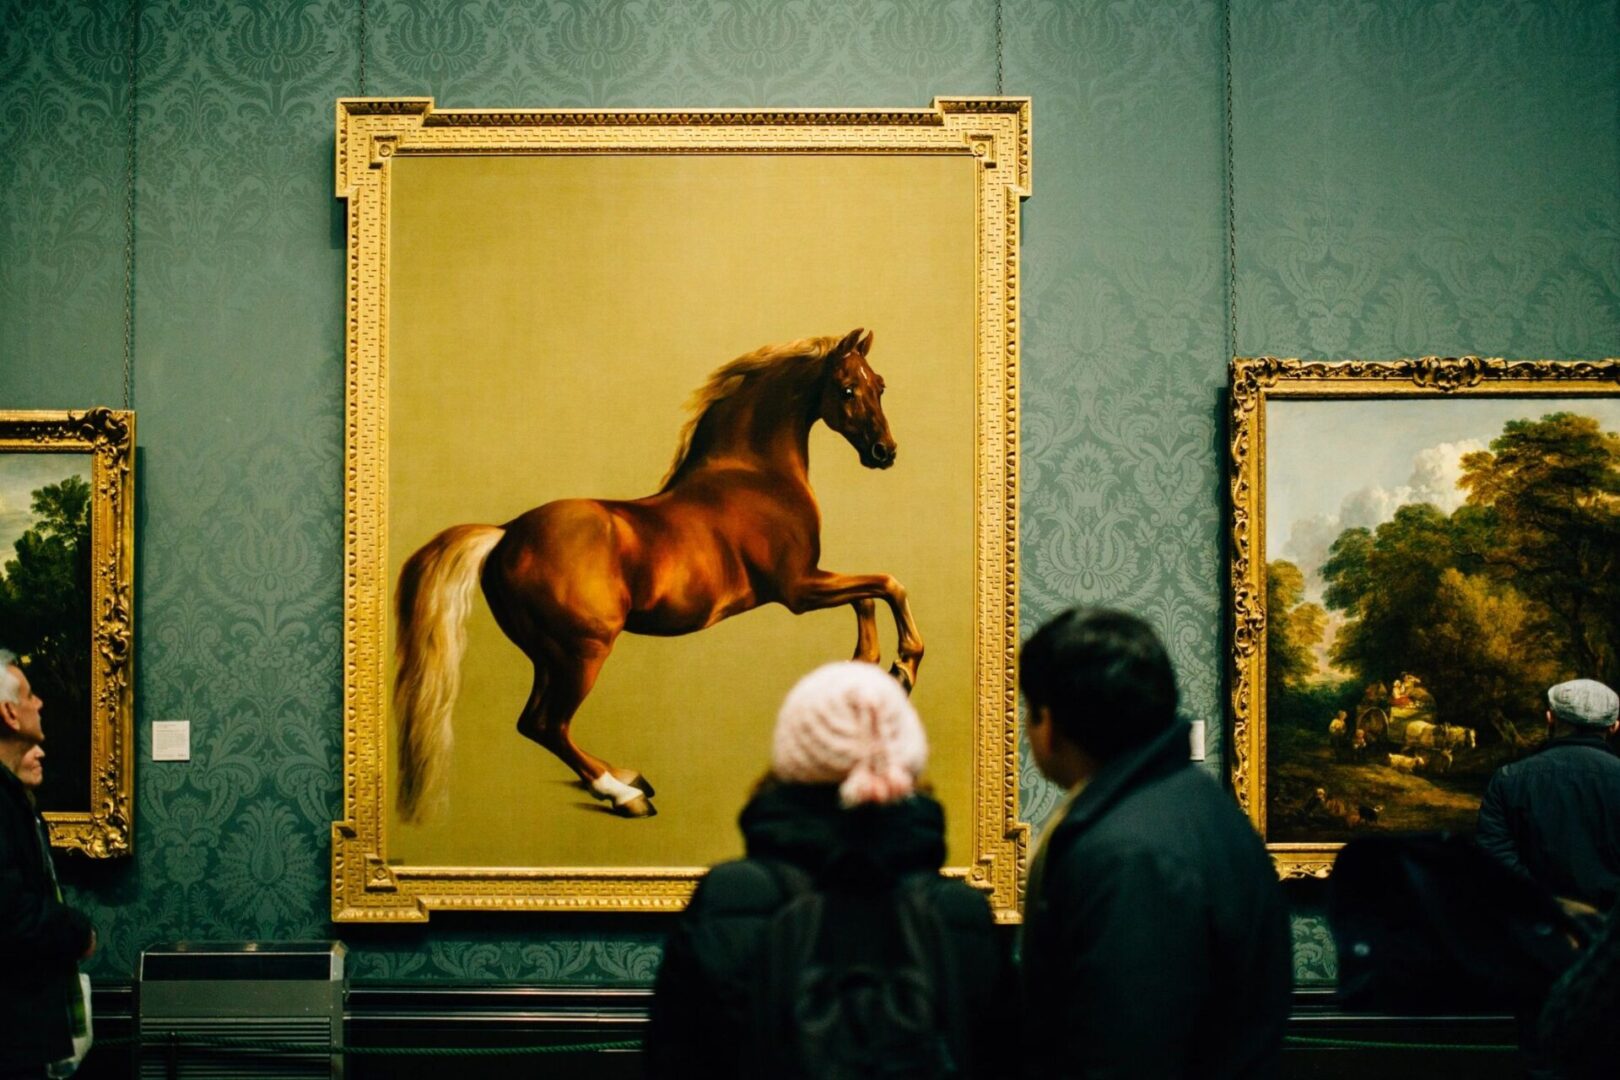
<point>735,525</point>
<point>1428,579</point>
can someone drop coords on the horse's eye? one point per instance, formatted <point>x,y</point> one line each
<point>849,392</point>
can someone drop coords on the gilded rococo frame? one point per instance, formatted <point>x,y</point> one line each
<point>105,829</point>
<point>371,133</point>
<point>1255,381</point>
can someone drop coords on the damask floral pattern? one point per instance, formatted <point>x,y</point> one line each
<point>1410,178</point>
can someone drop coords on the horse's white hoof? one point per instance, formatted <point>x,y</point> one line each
<point>639,807</point>
<point>635,780</point>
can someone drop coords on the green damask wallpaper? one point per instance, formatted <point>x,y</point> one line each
<point>1410,178</point>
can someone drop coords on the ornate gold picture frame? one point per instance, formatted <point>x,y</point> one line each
<point>530,294</point>
<point>67,554</point>
<point>1399,588</point>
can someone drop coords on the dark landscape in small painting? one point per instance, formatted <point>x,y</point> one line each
<point>45,607</point>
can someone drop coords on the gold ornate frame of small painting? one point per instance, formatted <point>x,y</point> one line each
<point>1382,546</point>
<point>67,552</point>
<point>530,297</point>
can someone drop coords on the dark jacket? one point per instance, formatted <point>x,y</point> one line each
<point>1554,816</point>
<point>1577,1033</point>
<point>702,1014</point>
<point>41,940</point>
<point>1156,938</point>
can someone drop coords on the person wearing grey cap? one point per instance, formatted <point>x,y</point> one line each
<point>1554,816</point>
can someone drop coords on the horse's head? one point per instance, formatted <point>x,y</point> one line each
<point>851,404</point>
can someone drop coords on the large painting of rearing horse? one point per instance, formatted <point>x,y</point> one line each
<point>734,525</point>
<point>605,501</point>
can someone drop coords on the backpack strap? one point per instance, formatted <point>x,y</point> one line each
<point>932,949</point>
<point>787,945</point>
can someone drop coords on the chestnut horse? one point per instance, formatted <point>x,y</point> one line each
<point>734,526</point>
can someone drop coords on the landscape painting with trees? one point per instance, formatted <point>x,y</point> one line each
<point>45,615</point>
<point>1432,566</point>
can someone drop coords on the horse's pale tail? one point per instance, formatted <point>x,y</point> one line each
<point>435,592</point>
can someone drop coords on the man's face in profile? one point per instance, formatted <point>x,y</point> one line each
<point>1039,729</point>
<point>31,770</point>
<point>23,715</point>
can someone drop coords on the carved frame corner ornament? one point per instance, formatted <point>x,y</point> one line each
<point>1254,382</point>
<point>106,828</point>
<point>370,134</point>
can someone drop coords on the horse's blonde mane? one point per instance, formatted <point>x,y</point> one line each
<point>725,382</point>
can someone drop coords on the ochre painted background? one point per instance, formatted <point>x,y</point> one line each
<point>549,318</point>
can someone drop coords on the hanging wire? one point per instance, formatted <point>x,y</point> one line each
<point>1001,66</point>
<point>1231,186</point>
<point>362,40</point>
<point>129,203</point>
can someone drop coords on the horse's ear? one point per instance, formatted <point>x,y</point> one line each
<point>851,343</point>
<point>864,347</point>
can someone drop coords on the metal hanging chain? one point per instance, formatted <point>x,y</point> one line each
<point>1231,186</point>
<point>129,203</point>
<point>1001,66</point>
<point>362,38</point>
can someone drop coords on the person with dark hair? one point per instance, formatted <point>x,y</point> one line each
<point>1156,939</point>
<point>41,938</point>
<point>1554,816</point>
<point>836,949</point>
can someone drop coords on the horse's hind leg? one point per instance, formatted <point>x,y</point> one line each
<point>866,631</point>
<point>560,687</point>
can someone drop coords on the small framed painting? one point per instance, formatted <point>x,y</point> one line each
<point>67,521</point>
<point>1419,549</point>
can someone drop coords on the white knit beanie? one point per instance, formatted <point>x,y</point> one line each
<point>850,724</point>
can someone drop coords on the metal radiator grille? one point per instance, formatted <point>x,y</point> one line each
<point>275,1009</point>
<point>229,1063</point>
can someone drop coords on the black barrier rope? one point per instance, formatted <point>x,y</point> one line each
<point>167,1040</point>
<point>1374,1044</point>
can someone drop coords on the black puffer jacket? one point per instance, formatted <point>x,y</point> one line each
<point>41,940</point>
<point>702,1015</point>
<point>1156,941</point>
<point>1554,816</point>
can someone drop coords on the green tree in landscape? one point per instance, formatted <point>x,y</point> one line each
<point>1551,488</point>
<point>1484,655</point>
<point>1294,628</point>
<point>1385,581</point>
<point>44,595</point>
<point>1513,591</point>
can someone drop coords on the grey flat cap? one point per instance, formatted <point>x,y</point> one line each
<point>1586,702</point>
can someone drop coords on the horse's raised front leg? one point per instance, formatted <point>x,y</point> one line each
<point>560,686</point>
<point>821,589</point>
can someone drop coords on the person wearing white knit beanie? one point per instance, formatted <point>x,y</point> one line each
<point>839,900</point>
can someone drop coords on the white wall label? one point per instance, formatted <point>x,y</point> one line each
<point>1197,740</point>
<point>171,740</point>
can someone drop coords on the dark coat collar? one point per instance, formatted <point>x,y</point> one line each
<point>1165,754</point>
<point>13,787</point>
<point>804,824</point>
<point>1595,741</point>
